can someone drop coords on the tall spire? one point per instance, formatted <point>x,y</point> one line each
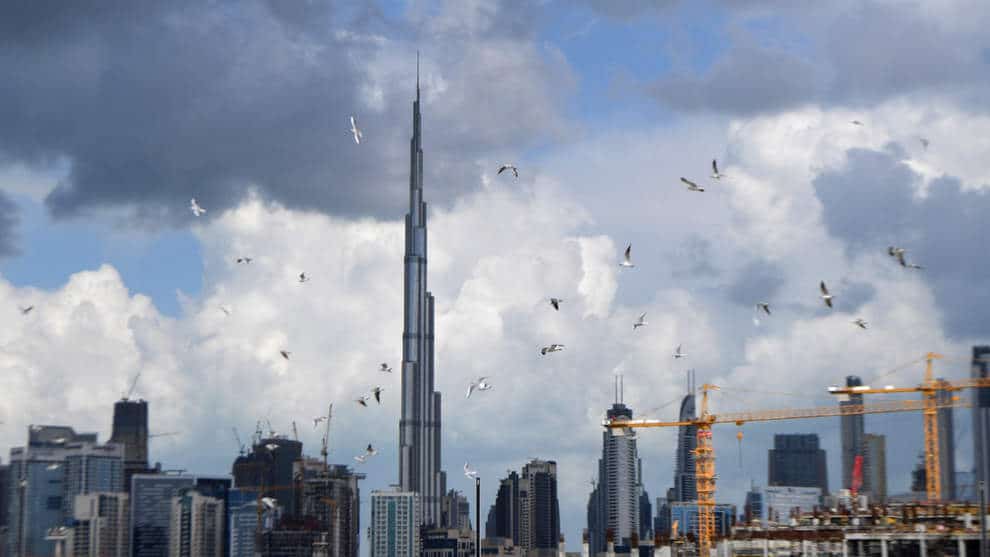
<point>417,75</point>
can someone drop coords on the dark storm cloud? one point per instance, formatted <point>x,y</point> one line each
<point>836,54</point>
<point>8,224</point>
<point>155,103</point>
<point>870,204</point>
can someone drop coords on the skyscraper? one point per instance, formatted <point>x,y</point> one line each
<point>614,503</point>
<point>419,427</point>
<point>852,433</point>
<point>685,488</point>
<point>130,429</point>
<point>196,526</point>
<point>395,524</point>
<point>271,469</point>
<point>796,461</point>
<point>540,508</point>
<point>505,523</point>
<point>151,508</point>
<point>946,446</point>
<point>102,525</point>
<point>981,415</point>
<point>331,501</point>
<point>875,467</point>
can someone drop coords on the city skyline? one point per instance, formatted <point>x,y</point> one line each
<point>105,140</point>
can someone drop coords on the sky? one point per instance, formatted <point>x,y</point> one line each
<point>115,113</point>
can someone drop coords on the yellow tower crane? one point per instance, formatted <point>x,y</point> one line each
<point>929,389</point>
<point>705,451</point>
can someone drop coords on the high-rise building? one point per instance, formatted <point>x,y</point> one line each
<point>981,416</point>
<point>504,515</point>
<point>395,524</point>
<point>614,503</point>
<point>685,514</point>
<point>778,503</point>
<point>946,445</point>
<point>101,526</point>
<point>270,465</point>
<point>419,427</point>
<point>45,476</point>
<point>539,508</point>
<point>645,517</point>
<point>875,467</point>
<point>196,525</point>
<point>242,521</point>
<point>331,504</point>
<point>4,497</point>
<point>130,429</point>
<point>151,508</point>
<point>455,511</point>
<point>447,542</point>
<point>852,432</point>
<point>685,488</point>
<point>797,461</point>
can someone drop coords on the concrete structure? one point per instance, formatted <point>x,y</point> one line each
<point>614,502</point>
<point>455,511</point>
<point>102,526</point>
<point>196,526</point>
<point>45,476</point>
<point>271,469</point>
<point>395,524</point>
<point>852,431</point>
<point>331,505</point>
<point>796,460</point>
<point>779,503</point>
<point>981,415</point>
<point>151,508</point>
<point>875,467</point>
<point>685,514</point>
<point>420,423</point>
<point>447,542</point>
<point>130,429</point>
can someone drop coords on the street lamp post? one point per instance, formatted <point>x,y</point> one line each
<point>477,516</point>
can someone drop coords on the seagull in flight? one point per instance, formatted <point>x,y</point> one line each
<point>555,302</point>
<point>271,447</point>
<point>856,123</point>
<point>641,322</point>
<point>355,131</point>
<point>285,353</point>
<point>385,368</point>
<point>924,143</point>
<point>552,348</point>
<point>691,186</point>
<point>303,278</point>
<point>764,306</point>
<point>861,323</point>
<point>480,384</point>
<point>25,311</point>
<point>369,452</point>
<point>363,400</point>
<point>195,208</point>
<point>268,502</point>
<point>512,167</point>
<point>243,259</point>
<point>678,354</point>
<point>53,466</point>
<point>826,297</point>
<point>317,420</point>
<point>470,472</point>
<point>627,258</point>
<point>377,391</point>
<point>898,253</point>
<point>225,309</point>
<point>715,173</point>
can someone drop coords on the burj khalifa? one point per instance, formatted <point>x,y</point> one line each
<point>419,427</point>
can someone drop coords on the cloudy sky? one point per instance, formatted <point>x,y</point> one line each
<point>114,114</point>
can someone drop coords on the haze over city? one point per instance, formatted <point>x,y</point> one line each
<point>148,150</point>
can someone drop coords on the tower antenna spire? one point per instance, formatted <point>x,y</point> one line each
<point>417,75</point>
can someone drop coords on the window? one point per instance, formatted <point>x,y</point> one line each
<point>53,503</point>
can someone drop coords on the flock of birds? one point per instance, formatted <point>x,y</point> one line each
<point>482,384</point>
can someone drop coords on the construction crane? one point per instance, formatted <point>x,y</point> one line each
<point>929,389</point>
<point>163,434</point>
<point>240,445</point>
<point>325,449</point>
<point>130,391</point>
<point>705,451</point>
<point>295,432</point>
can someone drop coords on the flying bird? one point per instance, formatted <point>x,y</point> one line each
<point>385,368</point>
<point>691,186</point>
<point>763,306</point>
<point>303,278</point>
<point>715,173</point>
<point>53,466</point>
<point>924,143</point>
<point>268,502</point>
<point>271,446</point>
<point>627,258</point>
<point>555,302</point>
<point>861,323</point>
<point>504,167</point>
<point>355,131</point>
<point>285,353</point>
<point>243,259</point>
<point>856,122</point>
<point>370,451</point>
<point>195,208</point>
<point>480,384</point>
<point>25,311</point>
<point>317,420</point>
<point>361,458</point>
<point>470,472</point>
<point>363,400</point>
<point>678,354</point>
<point>552,348</point>
<point>225,309</point>
<point>377,391</point>
<point>898,253</point>
<point>641,322</point>
<point>826,297</point>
